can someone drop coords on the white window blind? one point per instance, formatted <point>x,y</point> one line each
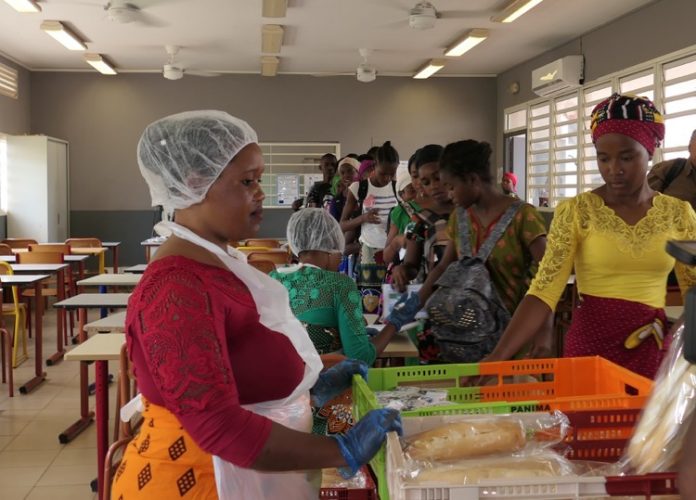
<point>561,159</point>
<point>590,176</point>
<point>9,83</point>
<point>539,165</point>
<point>3,173</point>
<point>292,158</point>
<point>679,106</point>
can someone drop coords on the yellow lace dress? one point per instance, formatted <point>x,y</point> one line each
<point>621,274</point>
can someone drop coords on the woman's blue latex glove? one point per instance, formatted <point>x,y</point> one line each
<point>404,310</point>
<point>335,380</point>
<point>363,441</point>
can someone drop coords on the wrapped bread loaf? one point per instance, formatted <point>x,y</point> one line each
<point>471,472</point>
<point>473,438</point>
<point>656,445</point>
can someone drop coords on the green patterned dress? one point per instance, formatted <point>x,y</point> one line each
<point>329,305</point>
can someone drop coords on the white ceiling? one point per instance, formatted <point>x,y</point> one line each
<point>322,36</point>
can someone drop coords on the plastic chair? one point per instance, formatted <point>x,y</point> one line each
<point>262,242</point>
<point>50,247</point>
<point>110,464</point>
<point>88,243</point>
<point>123,431</point>
<point>276,256</point>
<point>19,311</point>
<point>5,249</point>
<point>265,266</point>
<point>48,290</point>
<point>127,389</point>
<point>6,358</point>
<point>18,242</point>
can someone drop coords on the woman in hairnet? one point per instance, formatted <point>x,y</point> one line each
<point>225,370</point>
<point>326,302</point>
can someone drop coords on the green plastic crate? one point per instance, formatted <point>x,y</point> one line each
<point>603,385</point>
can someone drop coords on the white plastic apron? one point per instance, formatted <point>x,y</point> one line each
<point>295,412</point>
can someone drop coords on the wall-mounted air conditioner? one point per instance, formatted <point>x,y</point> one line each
<point>557,76</point>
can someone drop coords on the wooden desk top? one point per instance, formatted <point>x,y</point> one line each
<point>98,348</point>
<point>107,279</point>
<point>38,268</point>
<point>400,346</point>
<point>111,324</point>
<point>94,300</point>
<point>21,279</point>
<point>138,268</point>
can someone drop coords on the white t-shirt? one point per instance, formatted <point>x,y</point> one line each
<point>383,199</point>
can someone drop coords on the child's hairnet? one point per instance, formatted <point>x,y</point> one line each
<point>180,156</point>
<point>314,229</point>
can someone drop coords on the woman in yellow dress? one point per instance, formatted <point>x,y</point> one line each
<point>614,237</point>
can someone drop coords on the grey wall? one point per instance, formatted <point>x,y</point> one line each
<point>15,113</point>
<point>653,31</point>
<point>102,118</point>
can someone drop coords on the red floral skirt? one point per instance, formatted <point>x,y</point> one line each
<point>601,326</point>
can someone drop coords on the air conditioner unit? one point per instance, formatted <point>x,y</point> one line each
<point>562,74</point>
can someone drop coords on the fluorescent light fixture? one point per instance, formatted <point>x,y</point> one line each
<point>271,38</point>
<point>24,5</point>
<point>63,35</point>
<point>515,10</point>
<point>274,8</point>
<point>430,69</point>
<point>269,65</point>
<point>100,64</point>
<point>471,40</point>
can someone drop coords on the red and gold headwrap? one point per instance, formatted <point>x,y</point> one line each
<point>630,115</point>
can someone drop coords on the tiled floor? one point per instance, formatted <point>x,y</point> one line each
<point>33,464</point>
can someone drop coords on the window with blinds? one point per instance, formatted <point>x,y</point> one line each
<point>679,106</point>
<point>292,160</point>
<point>561,159</point>
<point>9,82</point>
<point>3,173</point>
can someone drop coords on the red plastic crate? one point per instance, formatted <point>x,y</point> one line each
<point>368,493</point>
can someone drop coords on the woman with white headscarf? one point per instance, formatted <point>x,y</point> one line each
<point>225,370</point>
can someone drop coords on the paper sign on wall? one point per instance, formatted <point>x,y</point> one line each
<point>288,188</point>
<point>309,181</point>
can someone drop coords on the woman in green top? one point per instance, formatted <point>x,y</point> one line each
<point>327,302</point>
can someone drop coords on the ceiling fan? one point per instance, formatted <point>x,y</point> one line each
<point>124,11</point>
<point>365,72</point>
<point>424,15</point>
<point>173,70</point>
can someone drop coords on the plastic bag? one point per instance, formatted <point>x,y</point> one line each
<point>656,444</point>
<point>540,463</point>
<point>408,398</point>
<point>331,478</point>
<point>474,436</point>
<point>235,482</point>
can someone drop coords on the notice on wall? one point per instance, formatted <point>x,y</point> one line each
<point>288,188</point>
<point>309,180</point>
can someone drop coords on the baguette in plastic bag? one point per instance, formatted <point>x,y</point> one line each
<point>656,445</point>
<point>542,463</point>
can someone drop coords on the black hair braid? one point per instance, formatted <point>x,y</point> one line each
<point>428,154</point>
<point>464,158</point>
<point>387,155</point>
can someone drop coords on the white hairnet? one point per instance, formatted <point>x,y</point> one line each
<point>403,179</point>
<point>314,229</point>
<point>180,156</point>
